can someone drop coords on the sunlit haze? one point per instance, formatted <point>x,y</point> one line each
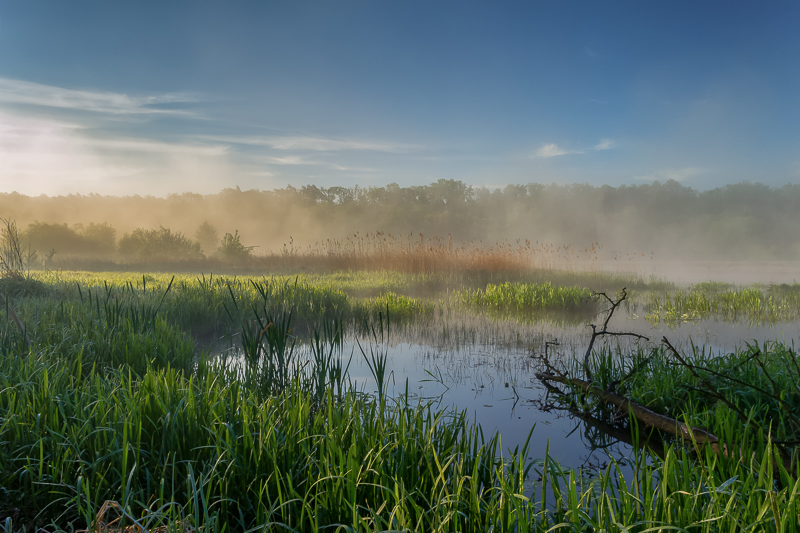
<point>157,98</point>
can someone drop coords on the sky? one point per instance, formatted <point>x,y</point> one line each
<point>160,97</point>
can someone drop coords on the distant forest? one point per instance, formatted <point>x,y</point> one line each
<point>745,221</point>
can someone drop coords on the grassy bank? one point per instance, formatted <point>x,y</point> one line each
<point>523,297</point>
<point>170,446</point>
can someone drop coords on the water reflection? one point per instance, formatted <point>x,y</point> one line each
<point>485,364</point>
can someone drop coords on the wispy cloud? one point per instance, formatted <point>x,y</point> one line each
<point>680,174</point>
<point>315,144</point>
<point>354,169</point>
<point>300,160</point>
<point>13,91</point>
<point>605,144</point>
<point>290,160</point>
<point>552,150</point>
<point>156,147</point>
<point>57,157</point>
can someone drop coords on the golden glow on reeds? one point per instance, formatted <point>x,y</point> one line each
<point>416,254</point>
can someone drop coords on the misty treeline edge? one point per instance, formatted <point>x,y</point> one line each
<point>742,221</point>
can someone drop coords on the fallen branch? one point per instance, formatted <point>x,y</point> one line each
<point>639,412</point>
<point>612,430</point>
<point>627,408</point>
<point>698,437</point>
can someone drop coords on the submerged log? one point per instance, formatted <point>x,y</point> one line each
<point>698,437</point>
<point>639,412</point>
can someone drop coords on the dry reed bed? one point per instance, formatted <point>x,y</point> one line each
<point>419,254</point>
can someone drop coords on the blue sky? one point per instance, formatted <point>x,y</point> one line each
<point>162,97</point>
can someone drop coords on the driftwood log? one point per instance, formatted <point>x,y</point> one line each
<point>627,407</point>
<point>637,411</point>
<point>699,438</point>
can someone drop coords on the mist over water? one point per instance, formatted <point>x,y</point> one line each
<point>649,229</point>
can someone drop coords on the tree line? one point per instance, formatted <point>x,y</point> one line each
<point>98,241</point>
<point>735,222</point>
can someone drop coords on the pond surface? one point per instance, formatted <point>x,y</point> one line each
<point>485,366</point>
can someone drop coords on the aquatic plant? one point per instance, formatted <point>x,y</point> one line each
<point>704,301</point>
<point>527,297</point>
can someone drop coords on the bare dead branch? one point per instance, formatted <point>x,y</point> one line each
<point>12,259</point>
<point>595,333</point>
<point>546,358</point>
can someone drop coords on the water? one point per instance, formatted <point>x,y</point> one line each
<point>486,366</point>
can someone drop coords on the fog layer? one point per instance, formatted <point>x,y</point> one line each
<point>745,221</point>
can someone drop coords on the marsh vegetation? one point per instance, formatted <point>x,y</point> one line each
<point>373,400</point>
<point>386,380</point>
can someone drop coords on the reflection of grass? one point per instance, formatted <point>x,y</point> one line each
<point>706,301</point>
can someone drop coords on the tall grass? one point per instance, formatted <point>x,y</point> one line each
<point>409,253</point>
<point>419,254</point>
<point>757,383</point>
<point>206,448</point>
<point>206,304</point>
